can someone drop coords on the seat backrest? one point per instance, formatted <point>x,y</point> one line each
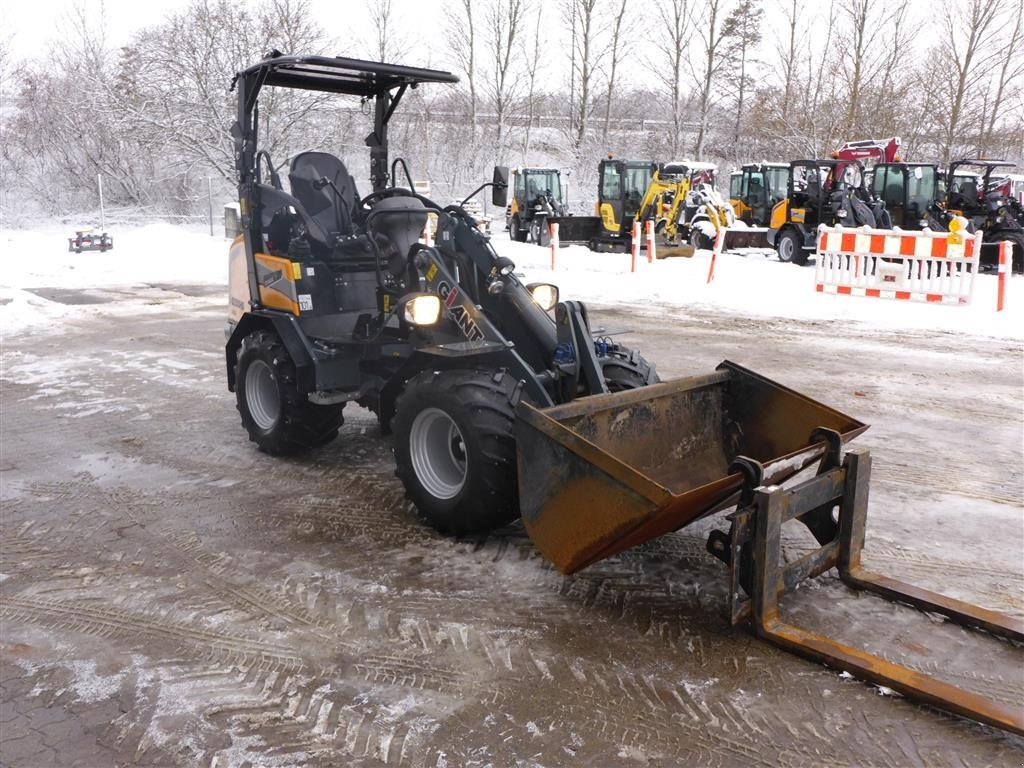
<point>894,195</point>
<point>272,203</point>
<point>323,206</point>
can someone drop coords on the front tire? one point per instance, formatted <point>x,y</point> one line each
<point>516,231</point>
<point>278,418</point>
<point>790,248</point>
<point>539,231</point>
<point>455,451</point>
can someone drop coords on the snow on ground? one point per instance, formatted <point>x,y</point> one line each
<point>754,282</point>
<point>750,283</point>
<point>154,254</point>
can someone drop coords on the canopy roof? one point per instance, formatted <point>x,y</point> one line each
<point>335,74</point>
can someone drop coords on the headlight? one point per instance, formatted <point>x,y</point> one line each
<point>424,309</point>
<point>545,294</point>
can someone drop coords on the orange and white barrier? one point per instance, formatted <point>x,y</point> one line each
<point>650,241</point>
<point>553,229</point>
<point>937,267</point>
<point>635,246</point>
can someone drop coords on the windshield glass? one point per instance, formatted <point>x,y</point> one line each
<point>544,183</point>
<point>637,179</point>
<point>922,190</point>
<point>778,178</point>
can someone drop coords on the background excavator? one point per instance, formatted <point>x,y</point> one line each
<point>679,197</point>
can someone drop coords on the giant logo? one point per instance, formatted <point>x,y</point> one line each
<point>462,316</point>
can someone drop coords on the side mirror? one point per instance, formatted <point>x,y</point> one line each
<point>499,192</point>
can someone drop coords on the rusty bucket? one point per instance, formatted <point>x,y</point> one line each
<point>605,473</point>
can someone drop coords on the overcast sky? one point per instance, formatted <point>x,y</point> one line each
<point>33,24</point>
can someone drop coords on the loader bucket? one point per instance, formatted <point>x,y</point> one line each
<point>605,473</point>
<point>576,229</point>
<point>745,237</point>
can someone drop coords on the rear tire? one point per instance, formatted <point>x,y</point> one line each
<point>790,248</point>
<point>455,450</point>
<point>700,241</point>
<point>278,418</point>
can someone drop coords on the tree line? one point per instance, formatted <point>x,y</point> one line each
<point>559,83</point>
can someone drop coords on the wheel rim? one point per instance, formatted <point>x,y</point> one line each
<point>786,249</point>
<point>261,394</point>
<point>438,453</point>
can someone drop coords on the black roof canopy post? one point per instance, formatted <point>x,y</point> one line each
<point>353,77</point>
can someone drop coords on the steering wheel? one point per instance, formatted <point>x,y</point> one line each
<point>381,194</point>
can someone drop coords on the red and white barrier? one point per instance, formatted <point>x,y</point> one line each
<point>1005,262</point>
<point>635,246</point>
<point>650,241</point>
<point>937,267</point>
<point>553,228</point>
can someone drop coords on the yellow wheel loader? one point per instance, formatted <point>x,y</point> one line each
<point>503,402</point>
<point>536,197</point>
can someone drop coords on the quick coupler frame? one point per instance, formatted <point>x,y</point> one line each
<point>759,578</point>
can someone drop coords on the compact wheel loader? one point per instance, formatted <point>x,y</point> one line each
<point>503,402</point>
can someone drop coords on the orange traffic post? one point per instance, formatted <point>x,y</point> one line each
<point>650,241</point>
<point>716,248</point>
<point>635,249</point>
<point>1005,249</point>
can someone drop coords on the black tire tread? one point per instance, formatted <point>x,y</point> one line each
<point>304,425</point>
<point>487,399</point>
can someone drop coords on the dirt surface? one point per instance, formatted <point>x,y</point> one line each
<point>171,596</point>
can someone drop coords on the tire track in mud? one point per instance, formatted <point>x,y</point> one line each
<point>104,621</point>
<point>595,696</point>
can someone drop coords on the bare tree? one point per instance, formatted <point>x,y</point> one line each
<point>532,58</point>
<point>461,39</point>
<point>504,21</point>
<point>676,17</point>
<point>1010,71</point>
<point>615,56</point>
<point>711,63</point>
<point>970,30</point>
<point>389,41</point>
<point>585,57</point>
<point>742,33</point>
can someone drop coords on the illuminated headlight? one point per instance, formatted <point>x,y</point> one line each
<point>424,309</point>
<point>545,294</point>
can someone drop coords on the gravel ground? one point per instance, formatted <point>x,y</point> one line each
<point>171,596</point>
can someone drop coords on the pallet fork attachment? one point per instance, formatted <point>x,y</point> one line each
<point>754,556</point>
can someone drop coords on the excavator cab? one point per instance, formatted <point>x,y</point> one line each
<point>621,188</point>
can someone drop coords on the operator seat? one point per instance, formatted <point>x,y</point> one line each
<point>969,190</point>
<point>339,217</point>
